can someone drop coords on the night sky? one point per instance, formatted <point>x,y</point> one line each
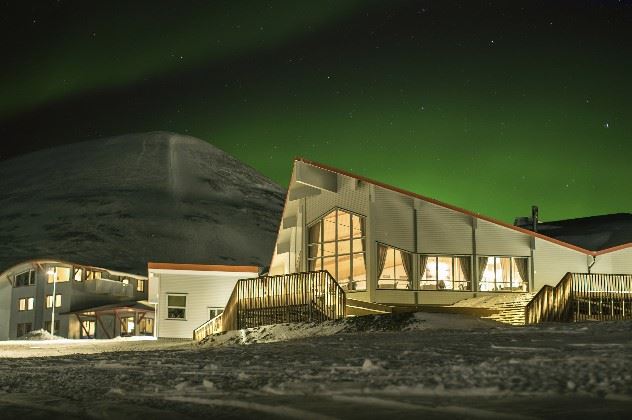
<point>491,106</point>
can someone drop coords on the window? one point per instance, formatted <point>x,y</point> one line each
<point>337,243</point>
<point>62,274</point>
<point>91,274</point>
<point>128,326</point>
<point>88,328</point>
<point>26,278</point>
<point>213,312</point>
<point>125,281</point>
<point>445,272</point>
<point>176,306</point>
<point>47,327</point>
<point>77,274</point>
<point>23,329</point>
<point>506,274</point>
<point>49,301</point>
<point>146,326</point>
<point>26,304</point>
<point>395,268</point>
<point>140,285</point>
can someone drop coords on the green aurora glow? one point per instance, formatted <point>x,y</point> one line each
<point>413,94</point>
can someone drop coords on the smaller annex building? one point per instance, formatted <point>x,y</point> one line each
<point>186,296</point>
<point>78,301</point>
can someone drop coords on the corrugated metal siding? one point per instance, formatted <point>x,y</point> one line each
<point>493,239</point>
<point>618,262</point>
<point>352,195</point>
<point>553,261</point>
<point>393,219</point>
<point>202,291</point>
<point>441,230</point>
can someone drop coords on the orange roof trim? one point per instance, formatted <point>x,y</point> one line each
<point>460,210</point>
<point>204,267</point>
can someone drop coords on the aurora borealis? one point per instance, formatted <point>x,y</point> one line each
<point>491,106</point>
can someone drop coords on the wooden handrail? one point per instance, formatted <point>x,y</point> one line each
<point>304,296</point>
<point>550,303</point>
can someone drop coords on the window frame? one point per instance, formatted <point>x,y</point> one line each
<point>50,298</point>
<point>437,256</point>
<point>319,260</point>
<point>184,308</point>
<point>511,271</point>
<point>394,278</point>
<point>30,281</point>
<point>29,304</point>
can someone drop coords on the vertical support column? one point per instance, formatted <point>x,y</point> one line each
<point>371,247</point>
<point>532,265</point>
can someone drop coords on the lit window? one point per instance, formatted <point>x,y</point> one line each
<point>336,243</point>
<point>49,301</point>
<point>88,328</point>
<point>176,306</point>
<point>445,272</point>
<point>140,285</point>
<point>395,268</point>
<point>92,275</point>
<point>125,281</point>
<point>59,274</point>
<point>78,274</point>
<point>505,274</point>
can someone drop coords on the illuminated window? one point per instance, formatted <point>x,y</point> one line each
<point>146,326</point>
<point>77,274</point>
<point>506,274</point>
<point>336,243</point>
<point>92,275</point>
<point>49,301</point>
<point>140,285</point>
<point>26,278</point>
<point>445,272</point>
<point>26,304</point>
<point>176,306</point>
<point>395,268</point>
<point>59,274</point>
<point>88,328</point>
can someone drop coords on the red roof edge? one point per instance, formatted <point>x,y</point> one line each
<point>464,211</point>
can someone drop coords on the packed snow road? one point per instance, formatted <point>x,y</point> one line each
<point>385,369</point>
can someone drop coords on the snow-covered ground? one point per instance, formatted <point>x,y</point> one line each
<point>408,366</point>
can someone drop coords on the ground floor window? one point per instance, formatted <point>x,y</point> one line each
<point>88,328</point>
<point>507,274</point>
<point>176,306</point>
<point>47,327</point>
<point>445,272</point>
<point>146,326</point>
<point>24,328</point>
<point>394,266</point>
<point>213,312</point>
<point>128,326</point>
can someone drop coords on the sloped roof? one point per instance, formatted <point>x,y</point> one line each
<point>595,233</point>
<point>602,250</point>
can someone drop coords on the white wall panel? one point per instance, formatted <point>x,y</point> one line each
<point>493,239</point>
<point>617,262</point>
<point>352,195</point>
<point>552,261</point>
<point>441,230</point>
<point>393,219</point>
<point>204,290</point>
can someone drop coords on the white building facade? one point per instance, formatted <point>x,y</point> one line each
<point>187,295</point>
<point>385,245</point>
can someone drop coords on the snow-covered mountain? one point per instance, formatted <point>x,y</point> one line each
<point>123,201</point>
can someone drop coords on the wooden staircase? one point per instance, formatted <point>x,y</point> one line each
<point>508,308</point>
<point>297,297</point>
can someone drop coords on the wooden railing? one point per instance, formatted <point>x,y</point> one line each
<point>602,296</point>
<point>307,296</point>
<point>550,303</point>
<point>580,296</point>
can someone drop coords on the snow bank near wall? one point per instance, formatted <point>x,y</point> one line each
<point>419,321</point>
